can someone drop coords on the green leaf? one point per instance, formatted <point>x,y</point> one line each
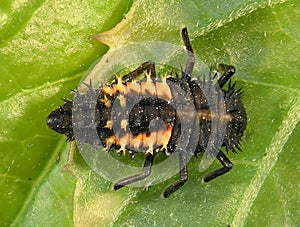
<point>45,49</point>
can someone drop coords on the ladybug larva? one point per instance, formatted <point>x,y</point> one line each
<point>136,132</point>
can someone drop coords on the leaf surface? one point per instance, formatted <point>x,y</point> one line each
<point>45,49</point>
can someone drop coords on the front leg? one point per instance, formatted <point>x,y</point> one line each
<point>147,66</point>
<point>227,165</point>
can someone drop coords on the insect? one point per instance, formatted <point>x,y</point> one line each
<point>144,139</point>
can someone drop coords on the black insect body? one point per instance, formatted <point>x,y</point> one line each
<point>138,128</point>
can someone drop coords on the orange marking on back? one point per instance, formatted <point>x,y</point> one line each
<point>132,86</point>
<point>108,90</point>
<point>148,87</point>
<point>124,124</point>
<point>163,90</point>
<point>106,101</point>
<point>118,88</point>
<point>110,141</point>
<point>109,124</point>
<point>123,141</point>
<point>136,141</point>
<point>149,141</point>
<point>122,100</point>
<point>163,137</point>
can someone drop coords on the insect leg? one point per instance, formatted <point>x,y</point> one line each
<point>147,66</point>
<point>131,179</point>
<point>191,58</point>
<point>229,70</point>
<point>227,165</point>
<point>183,175</point>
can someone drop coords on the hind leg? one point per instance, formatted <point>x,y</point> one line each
<point>227,165</point>
<point>229,70</point>
<point>138,177</point>
<point>191,58</point>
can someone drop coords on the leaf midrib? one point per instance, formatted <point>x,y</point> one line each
<point>36,186</point>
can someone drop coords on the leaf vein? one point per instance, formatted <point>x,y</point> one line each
<point>273,150</point>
